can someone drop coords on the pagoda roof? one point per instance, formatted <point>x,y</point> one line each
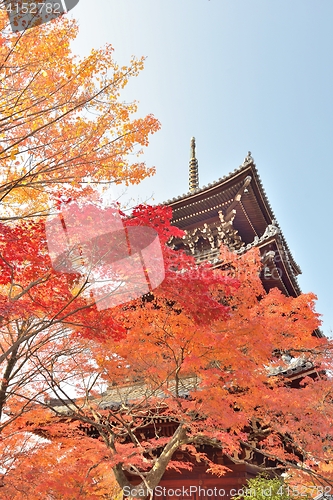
<point>240,191</point>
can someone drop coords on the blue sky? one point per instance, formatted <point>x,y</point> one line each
<point>238,76</point>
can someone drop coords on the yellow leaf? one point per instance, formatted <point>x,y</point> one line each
<point>14,153</point>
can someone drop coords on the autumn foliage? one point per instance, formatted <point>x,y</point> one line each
<point>92,401</point>
<point>63,126</point>
<point>205,353</point>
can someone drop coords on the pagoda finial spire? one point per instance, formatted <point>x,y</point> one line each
<point>194,172</point>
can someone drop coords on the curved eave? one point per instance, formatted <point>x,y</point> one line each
<point>253,215</point>
<point>281,274</point>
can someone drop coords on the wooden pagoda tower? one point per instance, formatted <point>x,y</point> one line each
<point>233,211</point>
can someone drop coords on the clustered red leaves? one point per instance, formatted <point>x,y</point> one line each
<point>31,287</point>
<point>27,277</point>
<point>181,270</point>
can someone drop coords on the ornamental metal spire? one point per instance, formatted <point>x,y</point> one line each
<point>194,172</point>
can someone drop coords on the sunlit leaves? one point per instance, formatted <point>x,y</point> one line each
<point>63,118</point>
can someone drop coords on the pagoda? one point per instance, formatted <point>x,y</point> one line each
<point>233,211</point>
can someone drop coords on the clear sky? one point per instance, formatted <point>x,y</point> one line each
<point>238,75</point>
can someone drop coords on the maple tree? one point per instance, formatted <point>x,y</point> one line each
<point>43,315</point>
<point>63,126</point>
<point>201,364</point>
<point>41,469</point>
<point>64,131</point>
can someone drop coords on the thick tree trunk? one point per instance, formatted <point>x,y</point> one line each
<point>143,491</point>
<point>6,378</point>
